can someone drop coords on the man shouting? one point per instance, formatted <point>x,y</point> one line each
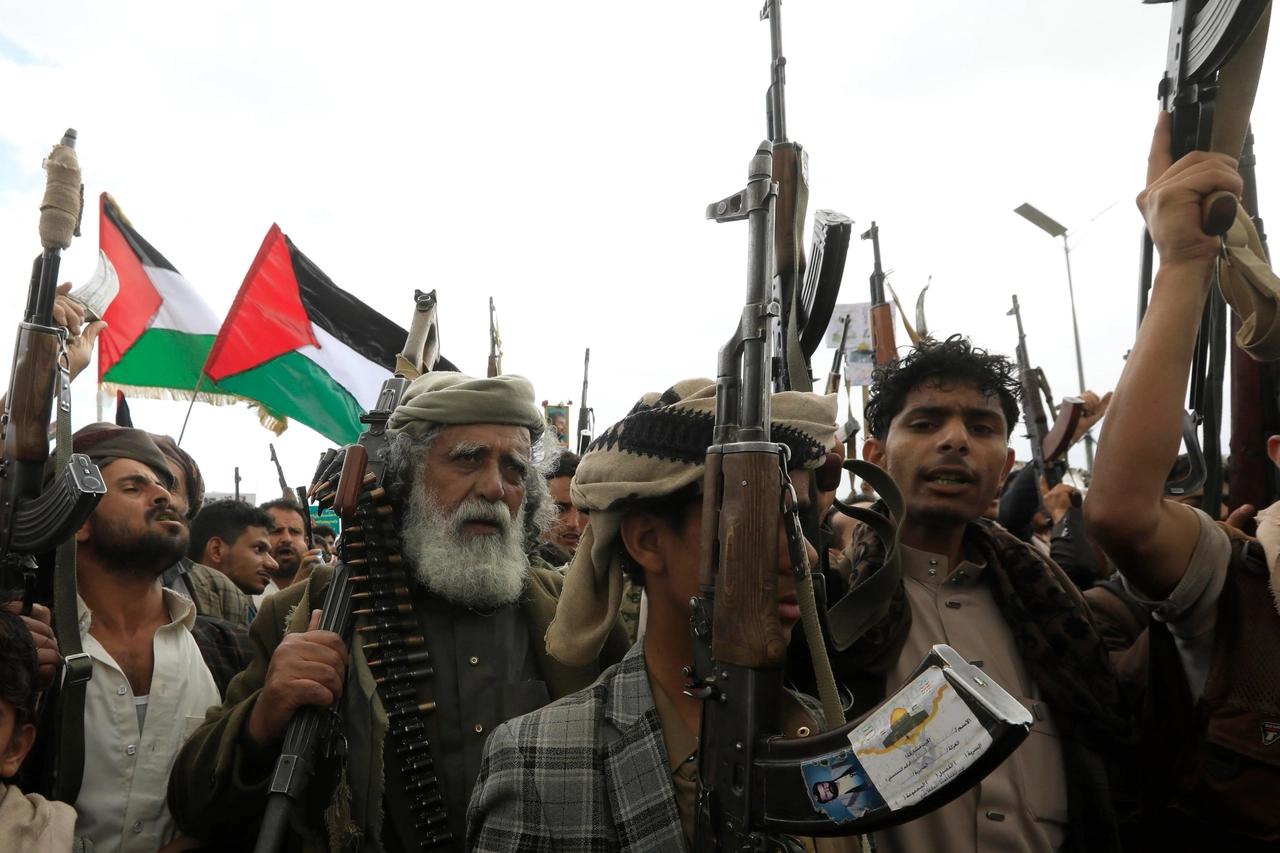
<point>469,457</point>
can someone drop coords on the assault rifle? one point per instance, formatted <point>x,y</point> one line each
<point>285,488</point>
<point>1048,446</point>
<point>495,344</point>
<point>807,297</point>
<point>755,787</point>
<point>35,520</point>
<point>882,333</point>
<point>586,416</point>
<point>1203,36</point>
<point>340,481</point>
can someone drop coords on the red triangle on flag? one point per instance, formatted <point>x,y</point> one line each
<point>267,319</point>
<point>138,300</point>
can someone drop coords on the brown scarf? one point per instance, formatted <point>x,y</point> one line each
<point>1051,624</point>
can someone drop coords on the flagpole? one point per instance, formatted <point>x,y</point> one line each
<point>194,394</point>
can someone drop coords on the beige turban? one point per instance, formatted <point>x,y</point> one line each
<point>655,451</point>
<point>455,398</point>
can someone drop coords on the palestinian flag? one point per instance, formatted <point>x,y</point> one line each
<point>301,346</point>
<point>159,328</point>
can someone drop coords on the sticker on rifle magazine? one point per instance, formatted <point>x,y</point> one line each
<point>839,788</point>
<point>919,740</point>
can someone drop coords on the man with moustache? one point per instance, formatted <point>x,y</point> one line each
<point>561,539</point>
<point>294,555</point>
<point>151,684</point>
<point>467,459</point>
<point>613,767</point>
<point>938,421</point>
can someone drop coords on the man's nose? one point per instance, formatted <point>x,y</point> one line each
<point>271,563</point>
<point>488,484</point>
<point>953,436</point>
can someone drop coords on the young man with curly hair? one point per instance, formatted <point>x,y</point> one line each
<point>939,421</point>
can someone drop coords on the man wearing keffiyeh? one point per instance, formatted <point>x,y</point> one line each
<point>613,766</point>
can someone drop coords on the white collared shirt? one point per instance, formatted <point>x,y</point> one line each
<point>122,806</point>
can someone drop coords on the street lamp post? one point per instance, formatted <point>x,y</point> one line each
<point>1056,229</point>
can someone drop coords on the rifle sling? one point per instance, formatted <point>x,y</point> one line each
<point>69,764</point>
<point>866,604</point>
<point>1246,279</point>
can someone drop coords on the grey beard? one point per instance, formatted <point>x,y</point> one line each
<point>474,571</point>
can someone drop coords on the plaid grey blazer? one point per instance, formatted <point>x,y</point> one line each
<point>586,773</point>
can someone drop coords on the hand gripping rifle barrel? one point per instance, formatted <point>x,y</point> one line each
<point>312,730</point>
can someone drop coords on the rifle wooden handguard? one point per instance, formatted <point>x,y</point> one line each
<point>1057,442</point>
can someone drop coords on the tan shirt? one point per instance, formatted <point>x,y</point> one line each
<point>682,757</point>
<point>1022,805</point>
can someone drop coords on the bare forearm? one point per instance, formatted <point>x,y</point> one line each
<point>1143,429</point>
<point>1127,511</point>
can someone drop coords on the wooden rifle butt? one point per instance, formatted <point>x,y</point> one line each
<point>1058,440</point>
<point>31,390</point>
<point>746,629</point>
<point>882,336</point>
<point>350,481</point>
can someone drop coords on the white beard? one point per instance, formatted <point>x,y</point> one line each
<point>474,571</point>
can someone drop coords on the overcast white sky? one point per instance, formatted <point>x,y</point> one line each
<point>559,157</point>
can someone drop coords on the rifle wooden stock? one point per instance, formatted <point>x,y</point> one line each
<point>882,335</point>
<point>493,367</point>
<point>746,630</point>
<point>1058,440</point>
<point>793,201</point>
<point>30,400</point>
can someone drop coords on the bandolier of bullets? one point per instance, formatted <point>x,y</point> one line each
<point>390,637</point>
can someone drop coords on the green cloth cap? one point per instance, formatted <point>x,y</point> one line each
<point>455,398</point>
<point>104,443</point>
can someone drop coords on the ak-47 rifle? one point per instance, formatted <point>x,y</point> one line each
<point>837,363</point>
<point>807,298</point>
<point>586,415</point>
<point>883,339</point>
<point>1203,36</point>
<point>495,344</point>
<point>285,488</point>
<point>755,787</point>
<point>35,520</point>
<point>1048,446</point>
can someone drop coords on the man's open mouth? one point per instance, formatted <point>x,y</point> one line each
<point>167,515</point>
<point>949,477</point>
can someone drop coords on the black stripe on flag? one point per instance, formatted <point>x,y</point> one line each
<point>144,250</point>
<point>343,316</point>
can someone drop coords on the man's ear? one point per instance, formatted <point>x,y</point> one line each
<point>215,549</point>
<point>1273,449</point>
<point>639,532</point>
<point>873,451</point>
<point>82,535</point>
<point>19,745</point>
<point>1008,466</point>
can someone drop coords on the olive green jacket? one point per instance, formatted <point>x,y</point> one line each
<point>219,782</point>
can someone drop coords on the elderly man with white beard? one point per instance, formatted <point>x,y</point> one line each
<point>467,457</point>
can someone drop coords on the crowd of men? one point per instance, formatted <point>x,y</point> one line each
<point>548,631</point>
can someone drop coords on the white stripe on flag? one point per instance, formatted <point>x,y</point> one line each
<point>362,378</point>
<point>183,308</point>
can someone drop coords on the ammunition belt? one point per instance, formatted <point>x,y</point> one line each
<point>397,656</point>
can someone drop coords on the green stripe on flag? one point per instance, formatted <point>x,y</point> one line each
<point>164,358</point>
<point>296,386</point>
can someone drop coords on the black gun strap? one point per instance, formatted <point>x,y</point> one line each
<point>865,605</point>
<point>69,765</point>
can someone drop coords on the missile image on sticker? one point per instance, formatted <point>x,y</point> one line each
<point>919,740</point>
